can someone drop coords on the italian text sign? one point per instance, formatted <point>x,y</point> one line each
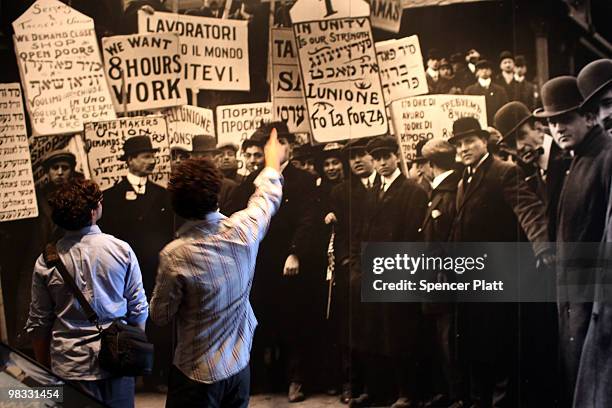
<point>105,140</point>
<point>60,67</point>
<point>184,122</point>
<point>432,116</point>
<point>144,71</point>
<point>214,52</point>
<point>17,194</point>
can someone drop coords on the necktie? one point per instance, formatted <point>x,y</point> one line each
<point>369,184</point>
<point>381,193</point>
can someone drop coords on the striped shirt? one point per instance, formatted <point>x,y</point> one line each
<point>204,279</point>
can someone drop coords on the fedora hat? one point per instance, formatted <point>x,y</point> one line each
<point>467,126</point>
<point>203,144</point>
<point>594,78</point>
<point>135,145</point>
<point>509,118</point>
<point>559,95</point>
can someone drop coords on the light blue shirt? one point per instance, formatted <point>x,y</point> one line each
<point>106,271</point>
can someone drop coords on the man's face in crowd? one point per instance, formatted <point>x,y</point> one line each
<point>332,167</point>
<point>142,164</point>
<point>385,162</point>
<point>254,158</point>
<point>569,129</point>
<point>226,159</point>
<point>423,170</point>
<point>433,63</point>
<point>361,163</point>
<point>528,141</point>
<point>59,172</point>
<point>507,65</point>
<point>446,72</point>
<point>306,165</point>
<point>484,73</point>
<point>471,149</point>
<point>520,71</point>
<point>473,56</point>
<point>604,113</point>
<point>287,149</point>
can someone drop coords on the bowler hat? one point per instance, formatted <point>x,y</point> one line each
<point>59,155</point>
<point>262,133</point>
<point>594,78</point>
<point>135,145</point>
<point>509,118</point>
<point>204,144</point>
<point>419,151</point>
<point>467,126</point>
<point>382,143</point>
<point>559,95</point>
<point>483,64</point>
<point>505,55</point>
<point>520,61</point>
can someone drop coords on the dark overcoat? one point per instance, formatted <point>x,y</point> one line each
<point>495,97</point>
<point>391,329</point>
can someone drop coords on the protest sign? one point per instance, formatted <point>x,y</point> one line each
<point>386,14</point>
<point>40,147</point>
<point>104,141</point>
<point>339,69</point>
<point>144,71</point>
<point>401,68</point>
<point>235,123</point>
<point>286,85</point>
<point>17,194</point>
<point>184,122</point>
<point>430,3</point>
<point>214,52</point>
<point>60,68</point>
<point>432,116</point>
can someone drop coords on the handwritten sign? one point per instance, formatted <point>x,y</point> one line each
<point>286,85</point>
<point>386,14</point>
<point>235,123</point>
<point>144,71</point>
<point>104,141</point>
<point>432,116</point>
<point>430,3</point>
<point>184,122</point>
<point>60,67</point>
<point>214,52</point>
<point>401,68</point>
<point>339,69</point>
<point>17,193</point>
<point>41,146</point>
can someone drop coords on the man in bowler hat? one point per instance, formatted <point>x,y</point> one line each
<point>595,84</point>
<point>139,212</point>
<point>493,204</point>
<point>581,218</point>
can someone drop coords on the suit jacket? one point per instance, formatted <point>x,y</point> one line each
<point>389,328</point>
<point>495,96</point>
<point>498,206</point>
<point>525,92</point>
<point>145,223</point>
<point>440,214</point>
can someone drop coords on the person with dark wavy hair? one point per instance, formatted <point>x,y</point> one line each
<point>205,278</point>
<point>106,271</point>
<point>71,205</point>
<point>195,187</point>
